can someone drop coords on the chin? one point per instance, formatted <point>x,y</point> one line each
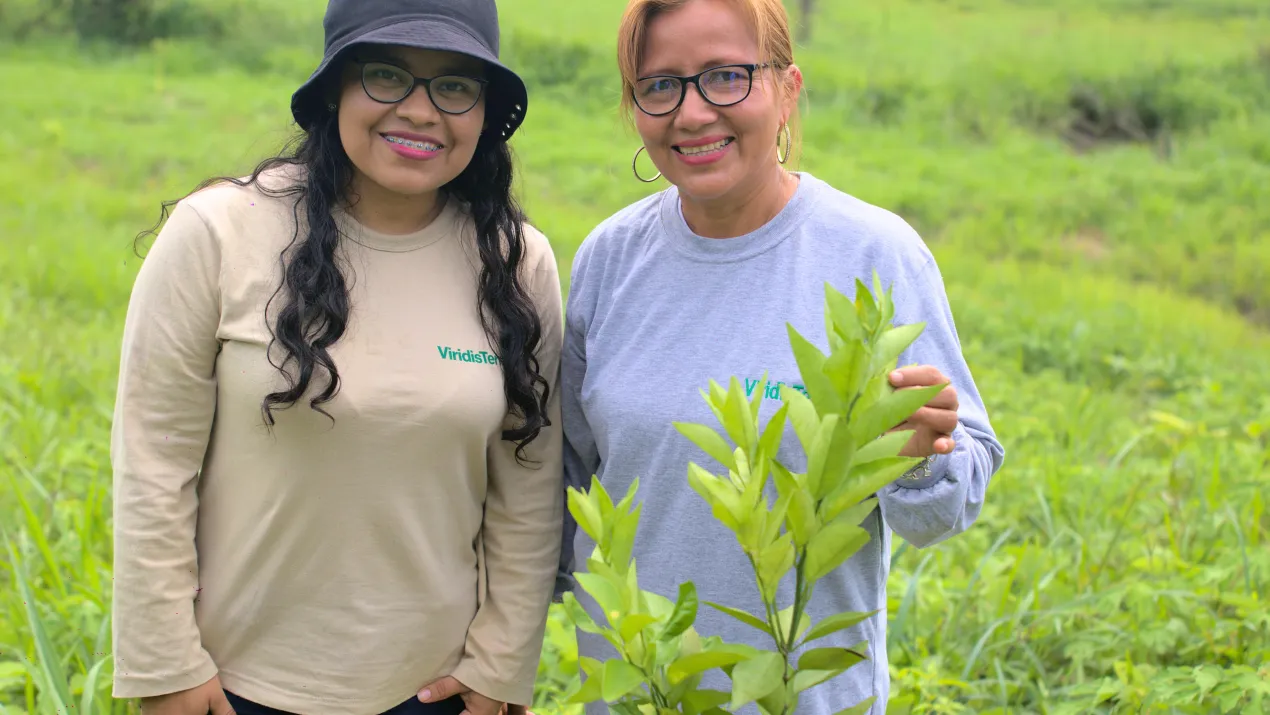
<point>406,182</point>
<point>705,186</point>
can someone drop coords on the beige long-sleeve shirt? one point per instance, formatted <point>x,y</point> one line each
<point>327,567</point>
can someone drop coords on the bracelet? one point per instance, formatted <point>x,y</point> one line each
<point>920,471</point>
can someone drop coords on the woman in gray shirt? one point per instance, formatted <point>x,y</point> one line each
<point>698,282</point>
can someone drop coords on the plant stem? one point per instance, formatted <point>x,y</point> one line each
<point>799,602</point>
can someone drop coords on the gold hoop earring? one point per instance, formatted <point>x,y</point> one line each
<point>635,170</point>
<point>789,144</point>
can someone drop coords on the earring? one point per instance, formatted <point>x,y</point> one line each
<point>331,107</point>
<point>636,169</point>
<point>789,144</point>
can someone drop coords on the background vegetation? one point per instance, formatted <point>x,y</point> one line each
<point>1093,175</point>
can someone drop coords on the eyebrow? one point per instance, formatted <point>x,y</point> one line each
<point>709,64</point>
<point>448,69</point>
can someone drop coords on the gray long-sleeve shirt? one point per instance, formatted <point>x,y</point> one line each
<point>655,312</point>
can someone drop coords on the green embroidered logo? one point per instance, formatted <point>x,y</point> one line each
<point>481,357</point>
<point>773,389</point>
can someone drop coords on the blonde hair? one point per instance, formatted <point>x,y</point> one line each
<point>768,19</point>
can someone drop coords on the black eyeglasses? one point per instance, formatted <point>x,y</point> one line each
<point>724,86</point>
<point>389,84</point>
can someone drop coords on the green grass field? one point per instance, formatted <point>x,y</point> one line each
<point>1093,176</point>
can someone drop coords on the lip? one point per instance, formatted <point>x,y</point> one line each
<point>703,159</point>
<point>411,152</point>
<point>703,141</point>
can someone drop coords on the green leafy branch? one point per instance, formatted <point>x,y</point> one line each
<point>845,424</point>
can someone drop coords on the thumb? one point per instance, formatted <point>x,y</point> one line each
<point>442,689</point>
<point>220,704</point>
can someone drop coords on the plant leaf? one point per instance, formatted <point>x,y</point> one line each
<point>866,308</point>
<point>591,690</point>
<point>623,539</point>
<point>586,512</point>
<point>578,615</point>
<point>756,677</point>
<point>831,659</point>
<point>685,612</point>
<point>620,678</point>
<point>757,399</point>
<point>703,700</point>
<point>605,593</point>
<point>705,660</point>
<point>786,615</point>
<point>736,412</point>
<point>888,445</point>
<point>894,341</point>
<point>742,616</point>
<point>837,622</point>
<point>831,546</point>
<point>805,679</point>
<point>801,518</point>
<point>811,364</point>
<point>709,441</point>
<point>633,623</point>
<point>770,442</point>
<point>774,562</point>
<point>843,314</point>
<point>818,455</point>
<point>861,708</point>
<point>888,412</point>
<point>872,477</point>
<point>845,368</point>
<point>802,415</point>
<point>721,496</point>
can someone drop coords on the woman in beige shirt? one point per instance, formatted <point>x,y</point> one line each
<point>336,443</point>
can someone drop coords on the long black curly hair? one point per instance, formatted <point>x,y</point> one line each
<point>316,309</point>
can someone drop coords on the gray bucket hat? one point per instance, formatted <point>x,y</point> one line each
<point>468,27</point>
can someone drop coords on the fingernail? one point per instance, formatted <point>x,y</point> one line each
<point>897,377</point>
<point>425,694</point>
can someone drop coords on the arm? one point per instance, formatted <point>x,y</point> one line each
<point>521,533</point>
<point>948,502</point>
<point>164,406</point>
<point>581,458</point>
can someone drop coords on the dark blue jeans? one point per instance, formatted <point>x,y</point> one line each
<point>453,706</point>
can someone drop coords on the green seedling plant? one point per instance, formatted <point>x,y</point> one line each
<point>799,525</point>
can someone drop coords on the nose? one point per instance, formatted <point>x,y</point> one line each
<point>695,112</point>
<point>418,108</point>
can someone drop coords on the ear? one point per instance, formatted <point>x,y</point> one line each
<point>794,82</point>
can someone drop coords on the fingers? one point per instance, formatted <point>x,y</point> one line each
<point>917,376</point>
<point>220,704</point>
<point>945,445</point>
<point>478,704</point>
<point>442,689</point>
<point>936,420</point>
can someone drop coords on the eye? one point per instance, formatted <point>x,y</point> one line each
<point>660,85</point>
<point>456,86</point>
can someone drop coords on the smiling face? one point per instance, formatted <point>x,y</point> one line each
<point>711,152</point>
<point>409,148</point>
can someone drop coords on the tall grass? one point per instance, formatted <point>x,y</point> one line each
<point>1111,294</point>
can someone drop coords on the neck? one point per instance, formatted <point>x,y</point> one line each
<point>744,210</point>
<point>391,213</point>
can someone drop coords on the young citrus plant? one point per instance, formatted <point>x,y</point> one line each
<point>805,524</point>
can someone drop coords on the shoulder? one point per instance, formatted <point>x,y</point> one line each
<point>539,254</point>
<point>872,231</point>
<point>620,232</point>
<point>230,197</point>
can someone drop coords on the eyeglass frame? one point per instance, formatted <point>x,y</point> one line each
<point>425,81</point>
<point>693,80</point>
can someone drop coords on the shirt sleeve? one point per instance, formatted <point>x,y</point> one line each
<point>934,508</point>
<point>581,456</point>
<point>164,406</point>
<point>520,536</point>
